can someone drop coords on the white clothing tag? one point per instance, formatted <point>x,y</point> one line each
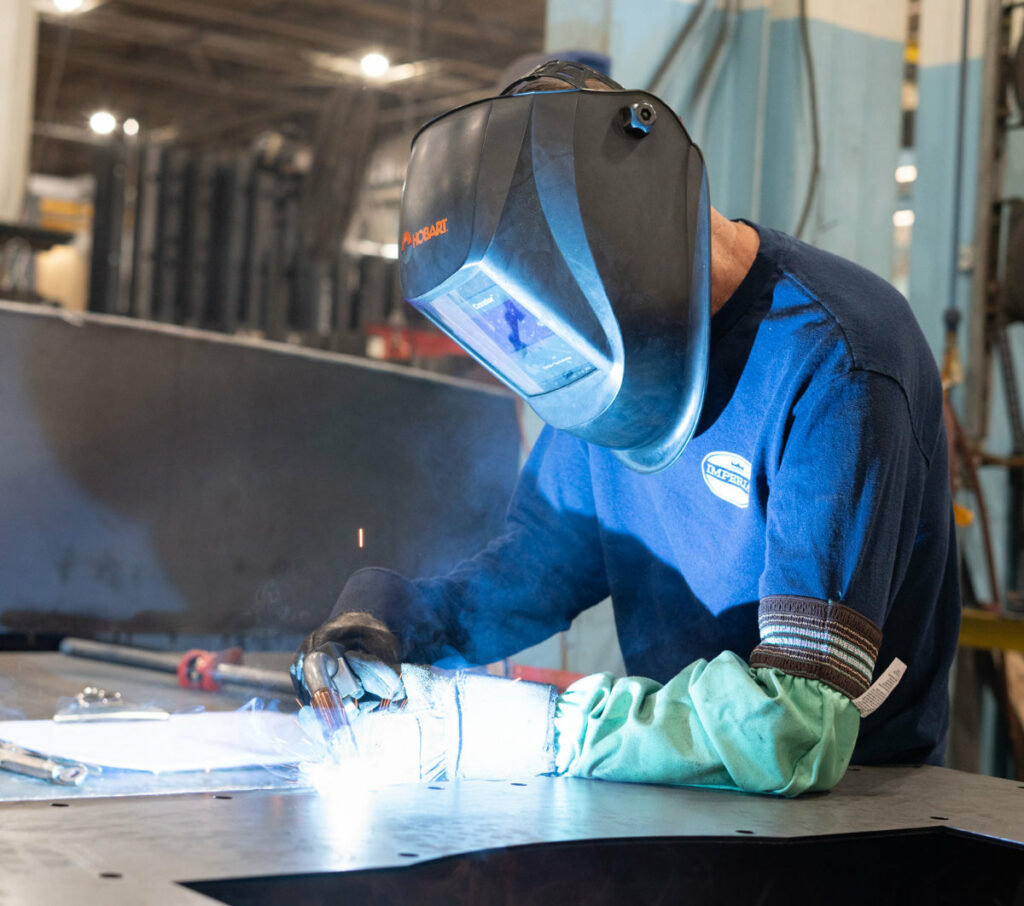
<point>879,690</point>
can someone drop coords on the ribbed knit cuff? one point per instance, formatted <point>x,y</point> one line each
<point>820,640</point>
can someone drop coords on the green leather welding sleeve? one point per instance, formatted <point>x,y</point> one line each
<point>718,723</point>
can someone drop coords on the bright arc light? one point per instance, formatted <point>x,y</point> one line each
<point>102,122</point>
<point>375,64</point>
<point>903,218</point>
<point>130,126</point>
<point>67,6</point>
<point>906,173</point>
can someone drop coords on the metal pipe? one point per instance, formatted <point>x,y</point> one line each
<point>976,398</point>
<point>958,165</point>
<point>167,662</point>
<point>673,52</point>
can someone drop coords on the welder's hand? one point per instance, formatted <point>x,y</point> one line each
<point>369,648</point>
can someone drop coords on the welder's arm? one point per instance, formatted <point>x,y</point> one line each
<point>528,584</point>
<point>845,494</point>
<point>718,724</point>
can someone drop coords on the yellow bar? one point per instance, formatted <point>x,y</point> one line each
<point>982,629</point>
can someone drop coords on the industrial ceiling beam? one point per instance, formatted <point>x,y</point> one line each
<point>421,111</point>
<point>472,29</point>
<point>316,67</point>
<point>179,79</point>
<point>62,132</point>
<point>308,35</point>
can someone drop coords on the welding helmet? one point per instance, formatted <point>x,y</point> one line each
<point>562,238</point>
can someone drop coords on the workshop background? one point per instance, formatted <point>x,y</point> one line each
<point>214,404</point>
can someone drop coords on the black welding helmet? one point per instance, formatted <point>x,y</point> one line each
<point>562,238</point>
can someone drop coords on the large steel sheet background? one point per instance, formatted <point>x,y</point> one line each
<point>156,479</point>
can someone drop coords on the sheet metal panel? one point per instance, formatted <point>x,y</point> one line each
<point>261,834</point>
<point>31,685</point>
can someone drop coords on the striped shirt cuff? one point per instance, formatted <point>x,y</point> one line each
<point>828,642</point>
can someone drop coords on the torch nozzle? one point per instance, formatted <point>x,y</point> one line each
<point>329,683</point>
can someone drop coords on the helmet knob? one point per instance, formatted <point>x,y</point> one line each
<point>638,118</point>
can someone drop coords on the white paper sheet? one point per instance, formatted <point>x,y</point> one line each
<point>185,742</point>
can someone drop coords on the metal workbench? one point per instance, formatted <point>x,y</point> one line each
<point>906,835</point>
<point>31,685</point>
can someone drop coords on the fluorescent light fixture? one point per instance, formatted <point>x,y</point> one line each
<point>903,218</point>
<point>906,173</point>
<point>67,6</point>
<point>130,126</point>
<point>375,64</point>
<point>102,122</point>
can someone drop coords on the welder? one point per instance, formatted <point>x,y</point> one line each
<point>744,449</point>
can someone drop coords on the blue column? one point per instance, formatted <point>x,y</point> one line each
<point>753,122</point>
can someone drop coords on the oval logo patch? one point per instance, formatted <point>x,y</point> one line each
<point>728,476</point>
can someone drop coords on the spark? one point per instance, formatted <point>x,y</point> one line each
<point>362,538</point>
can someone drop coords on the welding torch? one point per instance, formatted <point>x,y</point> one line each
<point>340,684</point>
<point>332,690</point>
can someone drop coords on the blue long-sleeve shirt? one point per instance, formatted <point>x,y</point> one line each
<point>818,474</point>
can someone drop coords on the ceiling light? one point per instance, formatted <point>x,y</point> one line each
<point>102,122</point>
<point>67,6</point>
<point>906,173</point>
<point>904,218</point>
<point>130,126</point>
<point>375,65</point>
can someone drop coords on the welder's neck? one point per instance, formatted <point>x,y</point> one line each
<point>733,249</point>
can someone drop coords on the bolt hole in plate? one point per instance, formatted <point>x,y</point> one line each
<point>218,796</point>
<point>435,787</point>
<point>111,874</point>
<point>518,784</point>
<point>939,818</point>
<point>58,805</point>
<point>409,855</point>
<point>744,832</point>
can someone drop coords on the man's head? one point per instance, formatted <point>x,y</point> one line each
<point>559,232</point>
<point>560,75</point>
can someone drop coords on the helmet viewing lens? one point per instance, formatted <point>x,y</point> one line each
<point>500,330</point>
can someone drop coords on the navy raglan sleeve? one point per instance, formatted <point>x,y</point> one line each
<point>844,503</point>
<point>527,584</point>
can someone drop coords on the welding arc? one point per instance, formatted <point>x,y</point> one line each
<point>329,708</point>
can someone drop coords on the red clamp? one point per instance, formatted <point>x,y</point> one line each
<point>196,667</point>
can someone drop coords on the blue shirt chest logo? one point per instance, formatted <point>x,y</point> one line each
<point>728,477</point>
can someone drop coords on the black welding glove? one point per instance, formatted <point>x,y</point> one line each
<point>369,648</point>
